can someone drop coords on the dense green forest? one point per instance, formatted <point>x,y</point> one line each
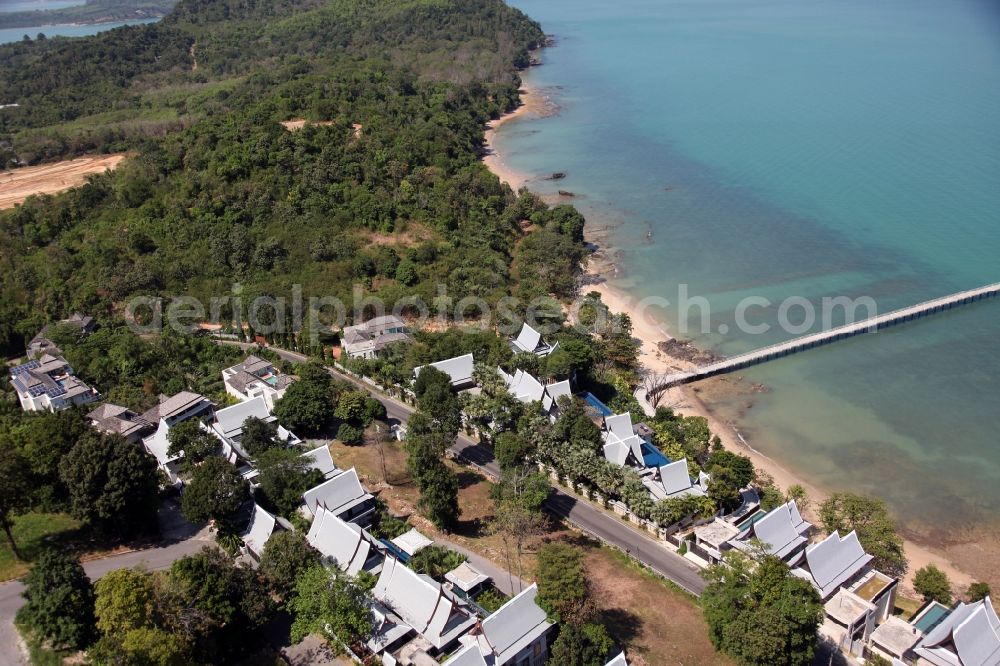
<point>93,11</point>
<point>390,194</point>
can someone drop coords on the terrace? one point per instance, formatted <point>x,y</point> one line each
<point>873,586</point>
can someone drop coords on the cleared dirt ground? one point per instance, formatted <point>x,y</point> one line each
<point>16,185</point>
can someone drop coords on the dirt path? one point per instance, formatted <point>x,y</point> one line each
<point>16,185</point>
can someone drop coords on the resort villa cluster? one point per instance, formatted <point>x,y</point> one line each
<point>417,620</point>
<point>420,620</point>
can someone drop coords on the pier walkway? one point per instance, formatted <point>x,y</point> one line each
<point>811,340</point>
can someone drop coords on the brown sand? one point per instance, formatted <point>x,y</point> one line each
<point>535,104</point>
<point>16,185</point>
<point>686,399</point>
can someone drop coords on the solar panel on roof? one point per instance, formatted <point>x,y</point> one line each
<point>24,367</point>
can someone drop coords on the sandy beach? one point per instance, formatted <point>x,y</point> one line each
<point>686,399</point>
<point>534,104</point>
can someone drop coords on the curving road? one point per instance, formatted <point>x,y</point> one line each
<point>160,557</point>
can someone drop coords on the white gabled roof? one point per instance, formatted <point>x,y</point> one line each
<point>969,636</point>
<point>527,340</point>
<point>523,386</point>
<point>412,542</point>
<point>467,656</point>
<point>515,625</point>
<point>159,443</point>
<point>832,562</point>
<point>458,368</point>
<point>262,526</point>
<point>781,531</point>
<point>336,495</point>
<point>619,425</point>
<point>676,480</point>
<point>618,660</point>
<point>344,543</point>
<point>616,452</point>
<point>229,421</point>
<point>558,390</point>
<point>320,458</point>
<point>421,603</point>
<point>634,443</point>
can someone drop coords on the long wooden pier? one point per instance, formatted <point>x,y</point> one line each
<point>811,340</point>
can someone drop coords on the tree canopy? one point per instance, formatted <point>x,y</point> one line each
<point>306,408</point>
<point>112,484</point>
<point>759,613</point>
<point>331,603</point>
<point>217,491</point>
<point>286,555</point>
<point>876,529</point>
<point>195,444</point>
<point>932,584</point>
<point>60,600</point>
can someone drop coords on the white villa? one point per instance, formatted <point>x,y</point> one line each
<point>345,545</point>
<point>48,384</point>
<point>411,542</point>
<point>468,579</point>
<point>517,633</point>
<point>262,526</point>
<point>415,614</point>
<point>373,336</point>
<point>782,533</point>
<point>320,459</point>
<point>117,420</point>
<point>622,445</point>
<point>344,497</point>
<point>673,480</point>
<point>833,563</point>
<point>968,636</point>
<point>458,368</point>
<point>526,388</point>
<point>228,427</point>
<point>256,377</point>
<point>168,413</point>
<point>530,341</point>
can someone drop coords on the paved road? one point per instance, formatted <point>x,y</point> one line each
<point>604,526</point>
<point>152,558</point>
<point>614,531</point>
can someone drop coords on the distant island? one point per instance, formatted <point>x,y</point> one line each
<point>94,11</point>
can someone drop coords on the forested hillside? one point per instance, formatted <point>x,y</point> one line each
<point>390,194</point>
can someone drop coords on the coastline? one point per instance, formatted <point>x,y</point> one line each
<point>534,104</point>
<point>648,332</point>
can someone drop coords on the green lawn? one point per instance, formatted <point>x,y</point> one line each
<point>906,607</point>
<point>31,532</point>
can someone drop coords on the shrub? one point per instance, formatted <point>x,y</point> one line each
<point>350,434</point>
<point>932,583</point>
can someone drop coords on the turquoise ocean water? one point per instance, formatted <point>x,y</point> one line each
<point>803,148</point>
<point>8,35</point>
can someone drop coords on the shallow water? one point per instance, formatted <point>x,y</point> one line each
<point>8,35</point>
<point>7,6</point>
<point>807,149</point>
